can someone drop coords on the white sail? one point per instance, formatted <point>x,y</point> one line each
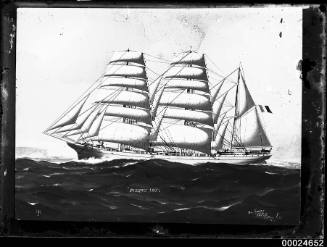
<point>249,131</point>
<point>124,133</point>
<point>217,126</point>
<point>142,115</point>
<point>95,127</point>
<point>126,71</point>
<point>192,84</point>
<point>187,73</point>
<point>186,100</point>
<point>182,136</point>
<point>220,138</point>
<point>123,98</point>
<point>185,115</point>
<point>128,56</point>
<point>215,92</point>
<point>217,108</point>
<point>71,116</point>
<point>192,58</point>
<point>156,127</point>
<point>87,124</point>
<point>156,101</point>
<point>125,82</point>
<point>196,116</point>
<point>79,122</point>
<point>244,99</point>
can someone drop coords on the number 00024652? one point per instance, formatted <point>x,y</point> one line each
<point>302,242</point>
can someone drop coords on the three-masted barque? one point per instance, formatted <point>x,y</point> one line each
<point>185,117</point>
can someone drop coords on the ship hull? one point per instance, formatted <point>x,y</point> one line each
<point>85,152</point>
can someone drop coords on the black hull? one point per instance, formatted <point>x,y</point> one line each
<point>85,152</point>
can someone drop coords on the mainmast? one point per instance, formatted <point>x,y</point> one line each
<point>183,106</point>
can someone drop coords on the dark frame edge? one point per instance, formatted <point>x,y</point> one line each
<point>312,152</point>
<point>8,93</point>
<point>313,66</point>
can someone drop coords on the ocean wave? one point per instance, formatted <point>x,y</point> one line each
<point>170,192</point>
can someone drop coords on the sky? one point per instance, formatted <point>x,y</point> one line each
<point>61,52</point>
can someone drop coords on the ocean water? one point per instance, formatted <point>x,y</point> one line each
<point>157,191</point>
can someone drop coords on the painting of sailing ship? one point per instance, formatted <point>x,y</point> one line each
<point>163,137</point>
<point>183,120</point>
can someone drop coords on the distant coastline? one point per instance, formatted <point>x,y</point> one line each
<point>38,154</point>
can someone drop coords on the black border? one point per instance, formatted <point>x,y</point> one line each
<point>313,67</point>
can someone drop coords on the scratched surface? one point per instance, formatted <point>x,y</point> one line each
<point>311,196</point>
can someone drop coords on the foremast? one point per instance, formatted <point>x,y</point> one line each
<point>116,112</point>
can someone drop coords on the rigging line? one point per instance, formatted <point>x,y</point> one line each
<point>162,59</point>
<point>99,81</point>
<point>226,92</point>
<point>224,121</point>
<point>95,104</point>
<point>62,138</point>
<point>82,136</point>
<point>225,78</point>
<point>214,72</point>
<point>153,71</point>
<point>160,76</point>
<point>99,106</point>
<point>230,132</point>
<point>152,81</point>
<point>68,110</point>
<point>237,140</point>
<point>89,108</point>
<point>111,122</point>
<point>156,79</point>
<point>122,51</point>
<point>154,61</point>
<point>171,101</point>
<point>248,111</point>
<point>169,79</point>
<point>213,63</point>
<point>170,139</point>
<point>225,113</point>
<point>166,145</point>
<point>58,129</point>
<point>166,106</point>
<point>171,124</point>
<point>166,135</point>
<point>80,98</point>
<point>70,130</point>
<point>215,78</point>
